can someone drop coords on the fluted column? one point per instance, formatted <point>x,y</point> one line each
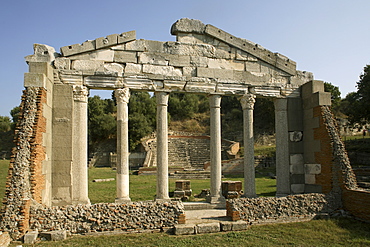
<point>282,148</point>
<point>247,102</point>
<point>123,180</point>
<point>162,146</point>
<point>79,166</point>
<point>216,171</point>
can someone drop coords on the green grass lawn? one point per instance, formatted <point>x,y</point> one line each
<point>4,166</point>
<point>333,232</point>
<point>143,187</point>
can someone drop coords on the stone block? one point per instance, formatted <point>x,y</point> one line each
<point>87,65</point>
<point>125,57</point>
<point>103,55</point>
<point>190,38</point>
<point>132,68</point>
<point>295,136</point>
<point>225,64</point>
<point>312,188</point>
<point>34,80</point>
<point>297,179</point>
<point>215,73</point>
<point>110,40</point>
<point>126,37</point>
<point>144,45</point>
<point>208,228</point>
<point>226,226</point>
<point>161,70</point>
<point>62,63</point>
<point>296,164</point>
<point>253,66</point>
<point>186,25</point>
<point>185,49</point>
<point>179,61</point>
<point>312,168</point>
<point>114,68</point>
<point>184,229</point>
<point>30,237</point>
<point>54,235</point>
<point>310,179</point>
<point>41,67</point>
<point>297,188</point>
<point>312,87</point>
<point>152,58</point>
<point>5,239</point>
<point>240,225</point>
<point>198,61</point>
<point>78,48</point>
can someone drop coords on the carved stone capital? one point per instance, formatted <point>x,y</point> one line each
<point>122,95</point>
<point>80,93</point>
<point>248,101</point>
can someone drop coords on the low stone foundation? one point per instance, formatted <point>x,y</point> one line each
<point>272,209</point>
<point>107,217</point>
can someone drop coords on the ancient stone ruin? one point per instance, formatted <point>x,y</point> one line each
<point>47,186</point>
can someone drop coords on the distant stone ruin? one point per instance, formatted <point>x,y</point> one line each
<point>47,187</point>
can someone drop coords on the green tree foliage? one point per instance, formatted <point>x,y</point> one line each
<point>335,97</point>
<point>356,105</point>
<point>183,106</point>
<point>7,127</point>
<point>363,95</point>
<point>102,122</point>
<point>142,117</point>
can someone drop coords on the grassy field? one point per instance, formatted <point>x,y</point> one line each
<point>144,187</point>
<point>333,232</point>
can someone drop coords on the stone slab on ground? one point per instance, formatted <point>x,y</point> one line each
<point>30,237</point>
<point>239,225</point>
<point>208,227</point>
<point>184,229</point>
<point>4,239</point>
<point>54,235</point>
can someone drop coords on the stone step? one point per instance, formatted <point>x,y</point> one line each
<point>202,205</point>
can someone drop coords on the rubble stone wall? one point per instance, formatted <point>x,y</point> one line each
<point>272,209</point>
<point>25,181</point>
<point>107,217</point>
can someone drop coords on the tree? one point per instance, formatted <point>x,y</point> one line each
<point>142,117</point>
<point>363,95</point>
<point>335,96</point>
<point>102,123</point>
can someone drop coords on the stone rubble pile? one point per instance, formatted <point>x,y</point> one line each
<point>342,164</point>
<point>106,217</point>
<point>14,217</point>
<point>255,210</point>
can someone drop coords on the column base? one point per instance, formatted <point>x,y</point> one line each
<point>162,199</point>
<point>122,200</point>
<point>281,194</point>
<point>216,200</point>
<point>83,202</point>
<point>249,196</point>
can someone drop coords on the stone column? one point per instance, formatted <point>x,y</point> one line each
<point>123,189</point>
<point>162,146</point>
<point>282,148</point>
<point>247,102</point>
<point>79,165</point>
<point>216,171</point>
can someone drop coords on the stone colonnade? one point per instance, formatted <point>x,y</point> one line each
<point>80,193</point>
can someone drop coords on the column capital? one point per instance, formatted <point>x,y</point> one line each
<point>122,95</point>
<point>215,101</point>
<point>162,98</point>
<point>80,93</point>
<point>247,101</point>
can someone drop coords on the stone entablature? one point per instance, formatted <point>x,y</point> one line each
<point>202,60</point>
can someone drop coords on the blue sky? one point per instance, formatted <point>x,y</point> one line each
<point>327,37</point>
